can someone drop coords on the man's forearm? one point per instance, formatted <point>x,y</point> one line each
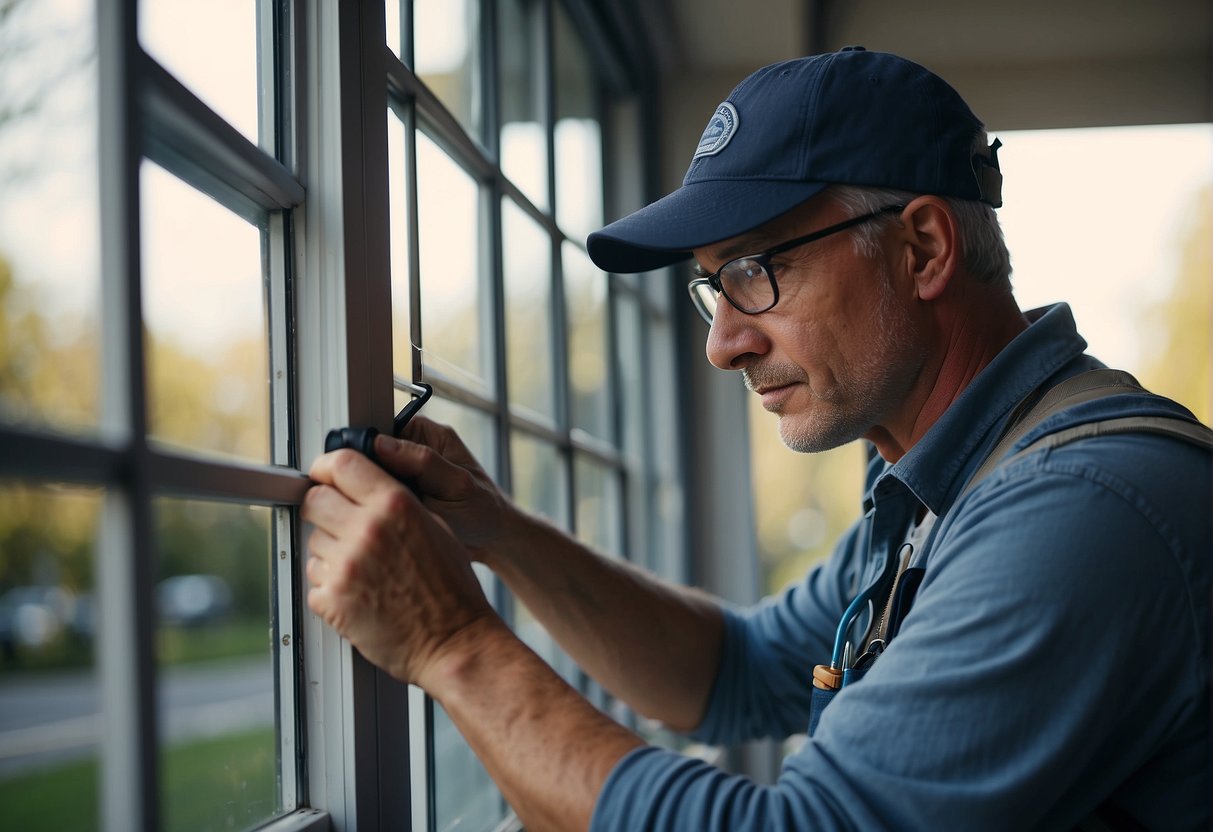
<point>544,745</point>
<point>653,644</point>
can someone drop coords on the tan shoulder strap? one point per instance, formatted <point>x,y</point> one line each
<point>1075,390</point>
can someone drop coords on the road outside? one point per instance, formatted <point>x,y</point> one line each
<point>53,718</point>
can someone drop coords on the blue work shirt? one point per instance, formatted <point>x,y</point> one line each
<point>1056,657</point>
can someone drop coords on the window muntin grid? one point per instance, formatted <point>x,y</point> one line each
<point>184,135</point>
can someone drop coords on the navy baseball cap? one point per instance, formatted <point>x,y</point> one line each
<point>791,130</point>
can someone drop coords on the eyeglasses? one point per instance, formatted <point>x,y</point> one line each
<point>748,282</point>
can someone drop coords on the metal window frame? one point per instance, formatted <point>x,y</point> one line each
<point>143,112</point>
<point>344,746</point>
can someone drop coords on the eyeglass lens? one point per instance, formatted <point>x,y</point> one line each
<point>747,284</point>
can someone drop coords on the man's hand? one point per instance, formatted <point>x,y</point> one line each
<point>385,573</point>
<point>451,482</point>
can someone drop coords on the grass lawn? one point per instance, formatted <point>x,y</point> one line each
<point>174,645</point>
<point>228,783</point>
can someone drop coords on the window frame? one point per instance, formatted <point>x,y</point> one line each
<point>349,733</point>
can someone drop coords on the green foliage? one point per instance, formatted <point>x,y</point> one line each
<point>1182,325</point>
<point>802,502</point>
<point>231,541</point>
<point>178,645</point>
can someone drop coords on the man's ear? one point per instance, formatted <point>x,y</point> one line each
<point>932,245</point>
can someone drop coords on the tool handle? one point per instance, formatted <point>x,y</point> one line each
<point>826,677</point>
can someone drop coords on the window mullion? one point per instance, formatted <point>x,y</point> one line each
<point>126,623</point>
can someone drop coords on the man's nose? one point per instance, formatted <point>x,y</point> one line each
<point>734,339</point>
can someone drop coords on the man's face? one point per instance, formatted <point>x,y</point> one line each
<point>840,352</point>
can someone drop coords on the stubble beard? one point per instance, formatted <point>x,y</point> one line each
<point>863,396</point>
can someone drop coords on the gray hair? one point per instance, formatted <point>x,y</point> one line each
<point>983,249</point>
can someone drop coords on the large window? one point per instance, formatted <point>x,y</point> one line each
<point>496,124</point>
<point>181,321</point>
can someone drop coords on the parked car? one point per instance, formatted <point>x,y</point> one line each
<point>193,600</point>
<point>33,616</point>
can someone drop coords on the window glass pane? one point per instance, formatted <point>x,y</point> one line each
<point>464,795</point>
<point>664,285</point>
<point>585,290</point>
<point>211,48</point>
<point>530,345</point>
<point>578,134</point>
<point>204,307</point>
<point>50,371</point>
<point>598,506</point>
<point>629,345</point>
<point>629,317</point>
<point>666,552</point>
<point>402,358</point>
<point>215,666</point>
<point>50,722</point>
<point>446,37</point>
<point>540,483</point>
<point>541,487</point>
<point>454,310</point>
<point>391,14</point>
<point>524,157</point>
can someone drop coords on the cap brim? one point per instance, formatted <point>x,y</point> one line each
<point>695,215</point>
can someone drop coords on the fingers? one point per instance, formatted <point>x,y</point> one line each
<point>352,474</point>
<point>436,475</point>
<point>326,508</point>
<point>441,438</point>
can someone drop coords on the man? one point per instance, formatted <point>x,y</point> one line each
<point>1034,653</point>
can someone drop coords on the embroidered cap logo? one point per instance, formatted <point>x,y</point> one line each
<point>721,127</point>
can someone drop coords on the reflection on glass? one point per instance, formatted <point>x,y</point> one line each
<point>598,506</point>
<point>578,133</point>
<point>402,359</point>
<point>204,306</point>
<point>50,721</point>
<point>585,290</point>
<point>215,666</point>
<point>188,38</point>
<point>523,138</point>
<point>530,345</point>
<point>453,308</point>
<point>446,58</point>
<point>49,223</point>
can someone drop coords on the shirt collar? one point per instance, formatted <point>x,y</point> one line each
<point>938,465</point>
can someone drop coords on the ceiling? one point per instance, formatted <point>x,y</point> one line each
<point>1022,64</point>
